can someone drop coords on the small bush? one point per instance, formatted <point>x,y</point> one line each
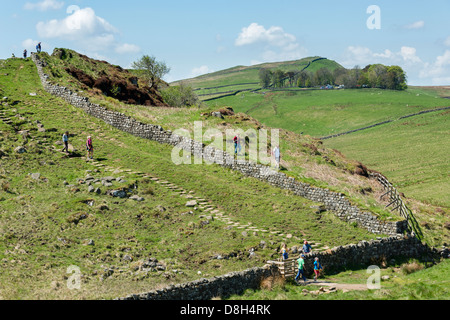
<point>179,96</point>
<point>409,268</point>
<point>273,282</point>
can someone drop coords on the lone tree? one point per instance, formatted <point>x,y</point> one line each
<point>151,70</point>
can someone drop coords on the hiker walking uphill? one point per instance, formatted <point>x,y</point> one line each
<point>317,268</point>
<point>38,48</point>
<point>284,252</point>
<point>237,145</point>
<point>89,148</point>
<point>25,52</point>
<point>66,141</point>
<point>301,270</point>
<point>277,155</point>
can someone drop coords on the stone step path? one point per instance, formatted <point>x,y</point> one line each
<point>208,209</point>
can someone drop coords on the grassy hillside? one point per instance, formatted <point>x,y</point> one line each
<point>49,220</point>
<point>325,112</point>
<point>409,152</point>
<point>410,280</point>
<point>412,152</point>
<point>244,78</point>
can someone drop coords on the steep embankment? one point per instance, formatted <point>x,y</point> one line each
<point>52,219</point>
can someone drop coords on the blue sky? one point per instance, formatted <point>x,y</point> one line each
<point>196,37</point>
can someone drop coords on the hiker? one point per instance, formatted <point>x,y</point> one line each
<point>306,247</point>
<point>276,153</point>
<point>317,268</point>
<point>38,47</point>
<point>284,252</point>
<point>25,53</point>
<point>89,148</point>
<point>301,271</point>
<point>237,144</point>
<point>66,141</point>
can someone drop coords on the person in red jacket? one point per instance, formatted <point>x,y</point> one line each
<point>90,148</point>
<point>237,145</point>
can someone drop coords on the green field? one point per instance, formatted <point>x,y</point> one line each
<point>413,152</point>
<point>321,113</point>
<point>410,280</point>
<point>243,77</point>
<point>47,226</point>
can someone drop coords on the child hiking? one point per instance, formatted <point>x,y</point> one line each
<point>284,252</point>
<point>89,148</point>
<point>317,268</point>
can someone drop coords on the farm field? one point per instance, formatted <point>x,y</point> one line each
<point>51,221</point>
<point>320,113</point>
<point>410,152</point>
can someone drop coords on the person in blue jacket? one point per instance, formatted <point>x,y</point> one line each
<point>306,247</point>
<point>317,268</point>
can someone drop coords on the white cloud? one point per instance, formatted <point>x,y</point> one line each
<point>439,70</point>
<point>278,45</point>
<point>200,71</point>
<point>81,23</point>
<point>409,55</point>
<point>44,5</point>
<point>416,25</point>
<point>89,31</point>
<point>362,56</point>
<point>255,33</point>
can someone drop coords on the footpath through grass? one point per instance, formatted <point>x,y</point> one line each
<point>411,280</point>
<point>49,221</point>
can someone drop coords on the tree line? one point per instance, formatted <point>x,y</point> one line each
<point>372,76</point>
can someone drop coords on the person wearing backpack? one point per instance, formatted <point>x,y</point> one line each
<point>317,268</point>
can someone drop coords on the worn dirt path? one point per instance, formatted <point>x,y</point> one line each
<point>338,286</point>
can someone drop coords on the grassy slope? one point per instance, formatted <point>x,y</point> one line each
<point>320,113</point>
<point>430,283</point>
<point>39,239</point>
<point>412,152</point>
<point>233,78</point>
<point>306,160</point>
<point>415,147</point>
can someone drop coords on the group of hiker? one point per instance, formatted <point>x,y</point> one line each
<point>89,145</point>
<point>301,262</point>
<point>238,149</point>
<point>25,52</point>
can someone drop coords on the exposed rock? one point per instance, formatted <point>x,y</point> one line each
<point>191,203</point>
<point>137,198</point>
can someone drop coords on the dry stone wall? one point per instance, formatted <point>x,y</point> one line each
<point>333,201</point>
<point>363,254</point>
